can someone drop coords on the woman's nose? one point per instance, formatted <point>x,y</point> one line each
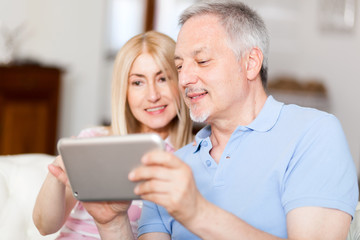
<point>153,93</point>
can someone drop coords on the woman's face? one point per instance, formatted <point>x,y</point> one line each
<point>151,96</point>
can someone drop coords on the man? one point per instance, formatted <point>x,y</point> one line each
<point>260,169</point>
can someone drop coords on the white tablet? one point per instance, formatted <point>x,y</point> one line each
<point>98,167</point>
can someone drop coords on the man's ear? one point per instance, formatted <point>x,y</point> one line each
<point>254,63</point>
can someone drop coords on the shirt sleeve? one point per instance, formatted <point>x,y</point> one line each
<point>321,172</point>
<point>150,220</point>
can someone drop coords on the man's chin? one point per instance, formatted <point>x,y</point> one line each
<point>199,118</point>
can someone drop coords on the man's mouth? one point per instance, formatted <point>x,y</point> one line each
<point>154,109</point>
<point>195,93</point>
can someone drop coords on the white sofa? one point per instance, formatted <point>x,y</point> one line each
<point>354,233</point>
<point>21,177</point>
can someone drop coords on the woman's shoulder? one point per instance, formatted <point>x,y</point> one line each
<point>97,131</point>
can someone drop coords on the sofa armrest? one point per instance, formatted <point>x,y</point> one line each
<point>21,177</point>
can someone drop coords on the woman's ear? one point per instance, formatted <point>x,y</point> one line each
<point>254,63</point>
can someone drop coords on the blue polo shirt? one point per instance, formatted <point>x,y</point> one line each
<point>288,157</point>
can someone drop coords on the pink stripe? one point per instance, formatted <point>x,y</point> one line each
<point>169,148</point>
<point>81,225</point>
<point>134,213</point>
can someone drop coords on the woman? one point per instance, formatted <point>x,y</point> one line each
<point>145,98</point>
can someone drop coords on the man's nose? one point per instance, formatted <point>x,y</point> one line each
<point>187,75</point>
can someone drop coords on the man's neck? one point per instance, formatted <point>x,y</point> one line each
<point>222,128</point>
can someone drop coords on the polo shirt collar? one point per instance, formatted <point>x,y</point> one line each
<point>202,135</point>
<point>268,116</point>
<point>266,120</point>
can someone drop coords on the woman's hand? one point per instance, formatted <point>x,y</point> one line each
<point>105,212</point>
<point>57,169</point>
<point>111,219</point>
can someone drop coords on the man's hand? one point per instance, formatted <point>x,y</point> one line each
<point>169,182</point>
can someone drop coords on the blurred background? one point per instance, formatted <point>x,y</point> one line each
<point>56,61</point>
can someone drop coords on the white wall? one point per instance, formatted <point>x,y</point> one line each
<point>71,34</point>
<point>68,34</point>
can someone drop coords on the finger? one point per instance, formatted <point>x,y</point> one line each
<point>152,186</point>
<point>143,173</point>
<point>59,162</point>
<point>159,157</point>
<point>158,198</point>
<point>59,173</point>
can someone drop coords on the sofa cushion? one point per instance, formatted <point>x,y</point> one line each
<point>21,177</point>
<point>354,233</point>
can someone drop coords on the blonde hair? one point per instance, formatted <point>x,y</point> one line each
<point>161,48</point>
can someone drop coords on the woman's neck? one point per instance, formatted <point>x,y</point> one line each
<point>163,132</point>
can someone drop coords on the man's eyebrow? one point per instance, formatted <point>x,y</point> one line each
<point>194,53</point>
<point>198,51</point>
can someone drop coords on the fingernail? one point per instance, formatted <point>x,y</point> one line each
<point>144,159</point>
<point>136,190</point>
<point>131,175</point>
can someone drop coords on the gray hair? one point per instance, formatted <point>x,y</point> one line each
<point>244,27</point>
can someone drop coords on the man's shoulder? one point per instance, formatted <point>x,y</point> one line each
<point>310,122</point>
<point>305,115</point>
<point>300,110</point>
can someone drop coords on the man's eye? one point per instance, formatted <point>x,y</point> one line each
<point>203,62</point>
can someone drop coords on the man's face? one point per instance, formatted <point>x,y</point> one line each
<point>211,78</point>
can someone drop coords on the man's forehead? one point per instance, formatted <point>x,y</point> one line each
<point>199,35</point>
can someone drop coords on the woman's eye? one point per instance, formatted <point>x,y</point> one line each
<point>136,83</point>
<point>178,68</point>
<point>162,79</point>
